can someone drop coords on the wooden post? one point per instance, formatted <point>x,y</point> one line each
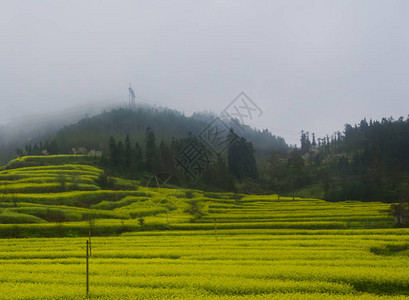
<point>215,228</point>
<point>87,270</point>
<point>89,238</point>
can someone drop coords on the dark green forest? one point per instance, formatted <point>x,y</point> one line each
<point>145,142</point>
<point>368,161</point>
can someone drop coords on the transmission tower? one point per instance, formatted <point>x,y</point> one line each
<point>132,105</point>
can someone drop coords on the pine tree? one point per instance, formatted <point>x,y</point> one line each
<point>313,143</point>
<point>151,151</point>
<point>241,159</point>
<point>113,153</point>
<point>121,156</point>
<point>166,157</point>
<point>138,158</point>
<point>128,153</point>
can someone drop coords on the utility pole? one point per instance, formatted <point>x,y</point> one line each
<point>89,238</point>
<point>87,269</point>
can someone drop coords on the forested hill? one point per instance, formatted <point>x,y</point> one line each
<point>366,162</point>
<point>369,161</point>
<point>93,133</point>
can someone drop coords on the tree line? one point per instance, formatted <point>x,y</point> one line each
<point>133,160</point>
<point>367,162</point>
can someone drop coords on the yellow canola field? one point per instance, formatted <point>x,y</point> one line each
<point>259,264</point>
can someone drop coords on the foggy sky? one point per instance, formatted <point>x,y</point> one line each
<point>311,65</point>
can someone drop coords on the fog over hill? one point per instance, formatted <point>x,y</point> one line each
<point>32,128</point>
<point>91,126</point>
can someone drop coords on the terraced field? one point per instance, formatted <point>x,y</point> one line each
<point>243,247</point>
<point>71,193</point>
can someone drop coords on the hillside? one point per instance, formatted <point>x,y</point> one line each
<point>41,127</point>
<point>62,190</point>
<point>366,162</point>
<point>134,144</point>
<point>155,242</point>
<point>93,133</point>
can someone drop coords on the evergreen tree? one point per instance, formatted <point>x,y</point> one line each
<point>113,153</point>
<point>121,156</point>
<point>138,158</point>
<point>36,150</point>
<point>277,171</point>
<point>151,151</point>
<point>217,177</point>
<point>166,158</point>
<point>241,159</point>
<point>313,143</point>
<point>305,142</point>
<point>128,153</point>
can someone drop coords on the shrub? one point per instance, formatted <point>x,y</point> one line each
<point>189,195</point>
<point>62,180</point>
<point>105,182</point>
<point>195,208</point>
